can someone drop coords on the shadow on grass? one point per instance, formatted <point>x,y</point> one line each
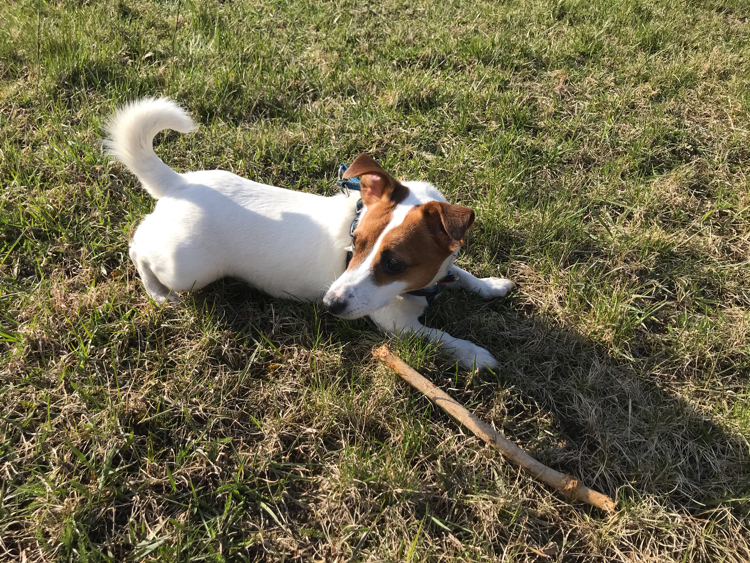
<point>247,424</point>
<point>617,424</point>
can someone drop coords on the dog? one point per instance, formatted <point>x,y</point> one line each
<point>382,257</point>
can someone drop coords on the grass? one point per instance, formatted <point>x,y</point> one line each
<point>604,146</point>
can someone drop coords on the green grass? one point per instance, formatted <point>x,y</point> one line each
<point>605,147</point>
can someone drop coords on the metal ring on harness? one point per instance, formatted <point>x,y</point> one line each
<point>348,184</point>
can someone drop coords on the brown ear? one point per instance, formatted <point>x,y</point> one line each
<point>376,183</point>
<point>449,222</point>
<point>363,164</point>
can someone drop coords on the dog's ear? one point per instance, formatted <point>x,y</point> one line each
<point>447,222</point>
<point>376,183</point>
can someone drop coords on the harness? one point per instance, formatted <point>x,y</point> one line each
<point>352,185</point>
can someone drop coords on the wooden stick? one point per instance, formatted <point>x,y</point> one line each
<point>566,484</point>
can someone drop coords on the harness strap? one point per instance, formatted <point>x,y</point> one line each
<point>432,292</point>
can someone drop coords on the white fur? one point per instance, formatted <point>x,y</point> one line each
<point>131,138</point>
<point>211,224</point>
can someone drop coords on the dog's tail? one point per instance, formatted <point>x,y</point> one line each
<point>131,136</point>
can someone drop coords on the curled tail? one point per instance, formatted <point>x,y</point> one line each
<point>131,136</point>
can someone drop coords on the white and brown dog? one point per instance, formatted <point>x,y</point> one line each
<point>211,224</point>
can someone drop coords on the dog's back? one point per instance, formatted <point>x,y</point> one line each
<point>213,223</point>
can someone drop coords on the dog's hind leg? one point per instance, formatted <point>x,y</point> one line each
<point>401,316</point>
<point>155,289</point>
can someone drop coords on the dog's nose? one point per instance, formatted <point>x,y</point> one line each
<point>336,306</point>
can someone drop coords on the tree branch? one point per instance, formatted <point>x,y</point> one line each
<point>566,484</point>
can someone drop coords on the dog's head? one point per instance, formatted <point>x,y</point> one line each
<point>406,240</point>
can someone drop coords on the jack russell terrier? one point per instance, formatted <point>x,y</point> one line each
<point>382,256</point>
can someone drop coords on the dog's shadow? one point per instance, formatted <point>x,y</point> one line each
<point>620,426</point>
<point>613,424</point>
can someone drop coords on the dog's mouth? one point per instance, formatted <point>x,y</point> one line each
<point>353,302</point>
<point>349,316</point>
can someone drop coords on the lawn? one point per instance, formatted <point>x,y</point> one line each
<point>605,147</point>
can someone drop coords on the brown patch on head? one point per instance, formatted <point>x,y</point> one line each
<point>418,246</point>
<point>367,232</point>
<point>381,192</point>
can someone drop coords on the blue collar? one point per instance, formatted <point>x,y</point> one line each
<point>346,186</point>
<point>360,210</point>
<point>352,185</point>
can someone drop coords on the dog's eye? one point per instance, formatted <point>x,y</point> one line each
<point>392,266</point>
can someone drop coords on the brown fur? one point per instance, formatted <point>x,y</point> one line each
<point>422,242</point>
<point>381,192</point>
<point>366,234</point>
<point>427,236</point>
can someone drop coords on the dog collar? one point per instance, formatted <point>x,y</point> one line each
<point>346,186</point>
<point>360,210</point>
<point>352,185</point>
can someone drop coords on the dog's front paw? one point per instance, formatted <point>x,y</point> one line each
<point>471,356</point>
<point>495,287</point>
